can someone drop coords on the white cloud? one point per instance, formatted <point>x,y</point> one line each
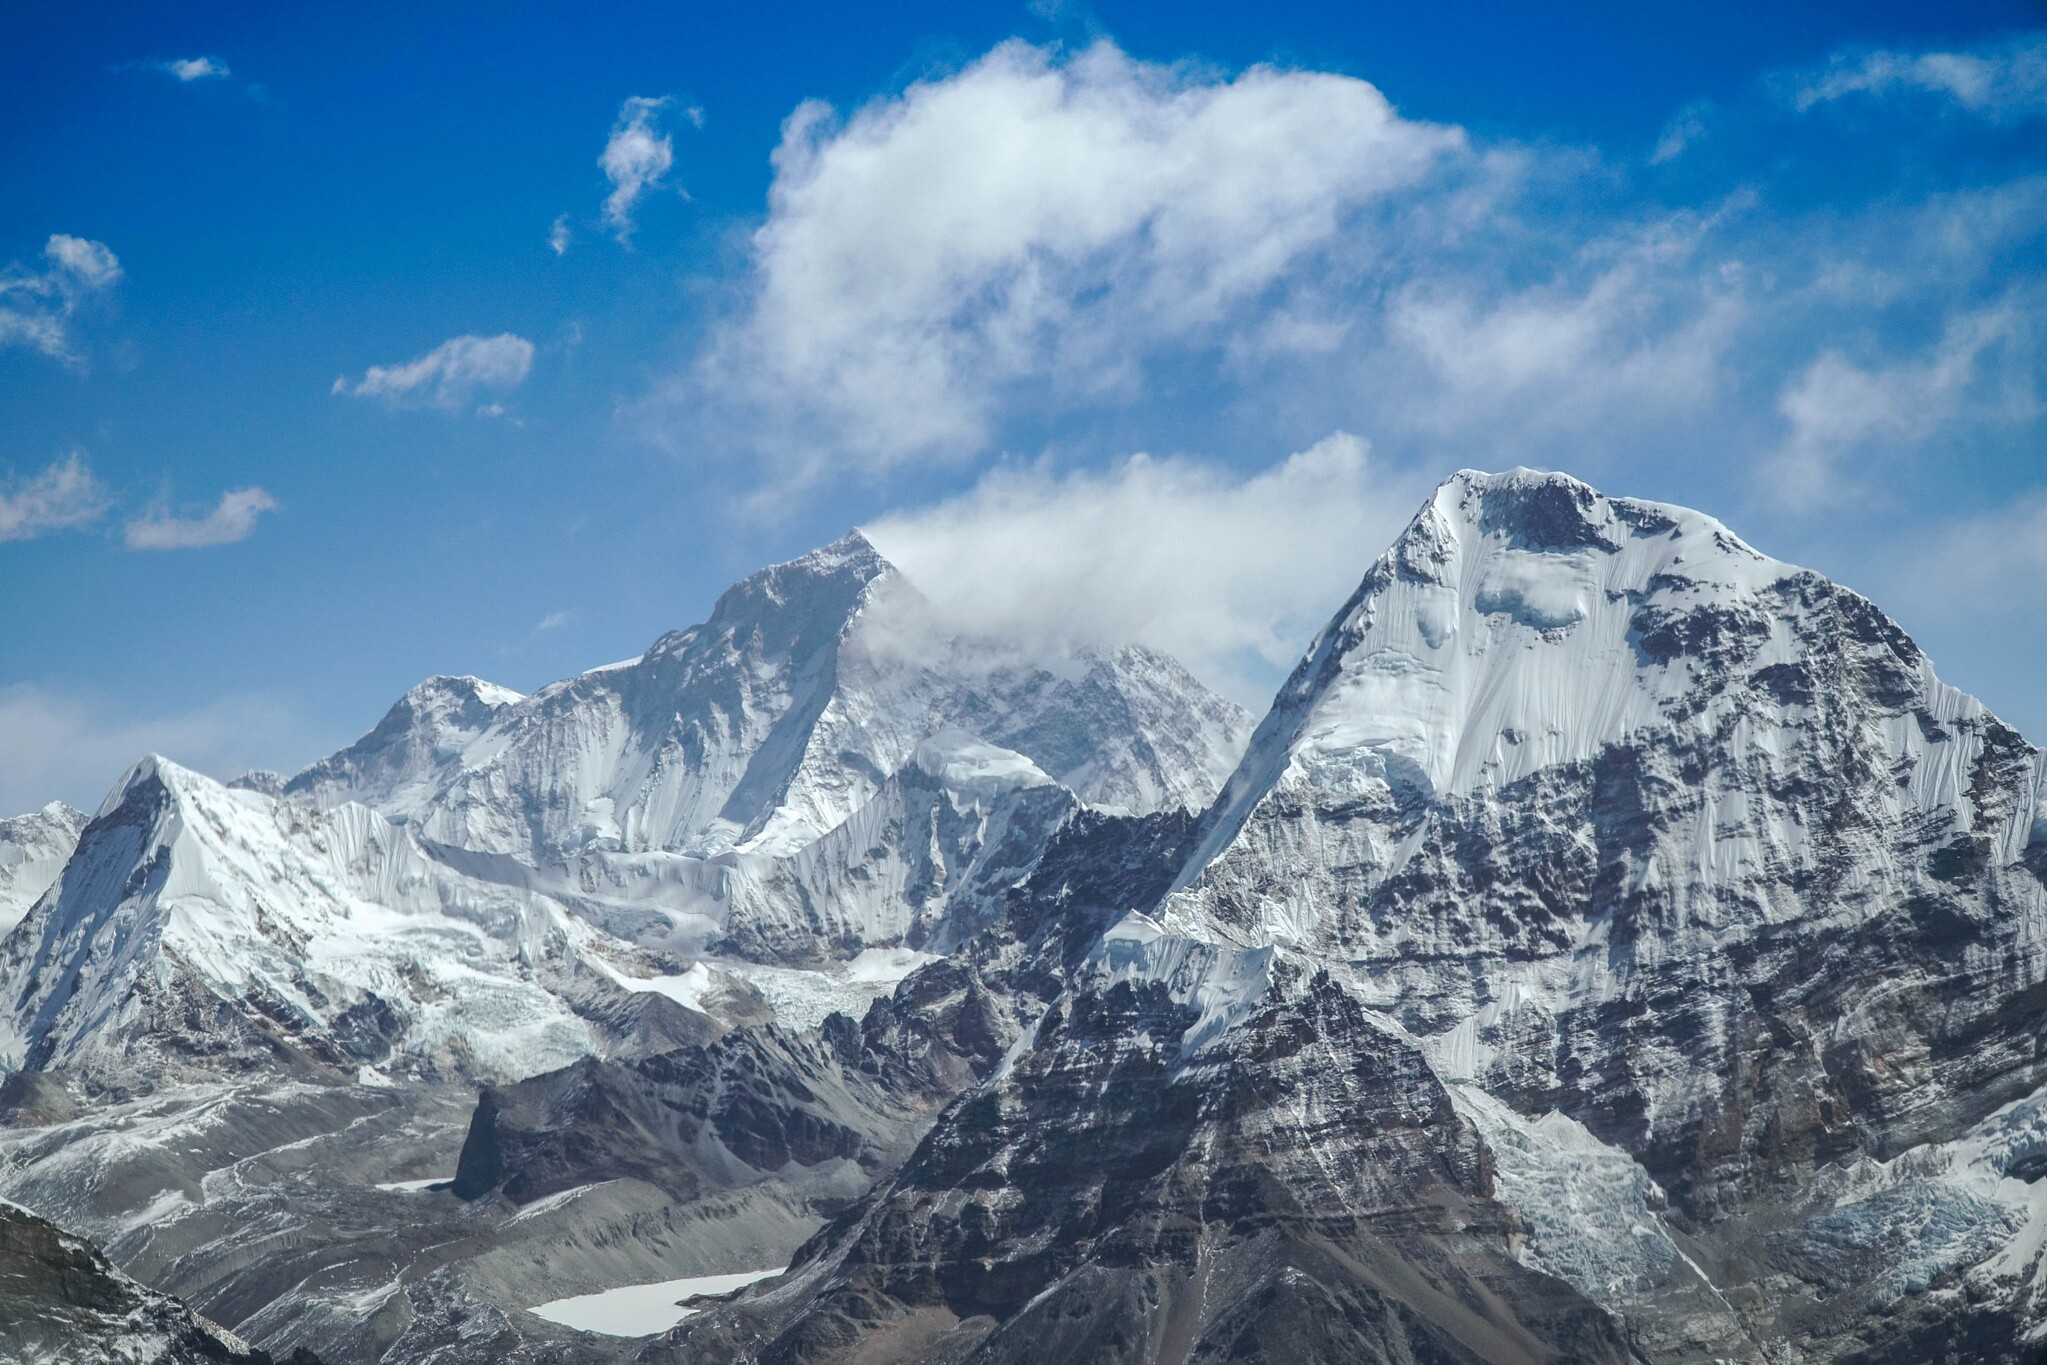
<point>1033,218</point>
<point>36,306</point>
<point>2002,83</point>
<point>63,496</point>
<point>63,745</point>
<point>554,620</point>
<point>232,519</point>
<point>1835,409</point>
<point>448,376</point>
<point>195,68</point>
<point>1223,570</point>
<point>558,235</point>
<point>636,158</point>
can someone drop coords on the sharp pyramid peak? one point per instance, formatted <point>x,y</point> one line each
<point>149,768</point>
<point>832,580</point>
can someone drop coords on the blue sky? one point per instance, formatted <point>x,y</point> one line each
<point>340,346</point>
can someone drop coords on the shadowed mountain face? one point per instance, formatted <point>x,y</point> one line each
<point>1613,945</point>
<point>67,1305</point>
<point>1304,1191</point>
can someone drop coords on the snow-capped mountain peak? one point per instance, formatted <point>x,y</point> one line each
<point>1525,621</point>
<point>771,723</point>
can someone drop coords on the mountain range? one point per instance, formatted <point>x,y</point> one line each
<point>1613,944</point>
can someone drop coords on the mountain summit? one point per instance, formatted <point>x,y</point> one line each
<point>770,723</point>
<point>1614,944</point>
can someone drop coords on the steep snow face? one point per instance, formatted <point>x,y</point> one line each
<point>1525,628</point>
<point>392,767</point>
<point>924,864</point>
<point>33,849</point>
<point>1614,813</point>
<point>770,724</point>
<point>197,926</point>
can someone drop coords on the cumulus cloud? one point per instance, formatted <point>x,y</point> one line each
<point>64,496</point>
<point>637,157</point>
<point>195,68</point>
<point>64,744</point>
<point>1231,573</point>
<point>1836,409</point>
<point>2006,82</point>
<point>1039,217</point>
<point>231,519</point>
<point>449,376</point>
<point>37,305</point>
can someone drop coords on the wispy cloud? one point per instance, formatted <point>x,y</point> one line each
<point>1835,409</point>
<point>2005,82</point>
<point>636,158</point>
<point>558,236</point>
<point>37,305</point>
<point>1989,564</point>
<point>64,496</point>
<point>231,519</point>
<point>1686,127</point>
<point>449,376</point>
<point>554,620</point>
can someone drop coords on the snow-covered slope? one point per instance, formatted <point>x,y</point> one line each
<point>1622,818</point>
<point>1721,920</point>
<point>770,724</point>
<point>198,927</point>
<point>924,864</point>
<point>33,850</point>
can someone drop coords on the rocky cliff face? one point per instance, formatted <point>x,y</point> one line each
<point>1628,822</point>
<point>248,1016</point>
